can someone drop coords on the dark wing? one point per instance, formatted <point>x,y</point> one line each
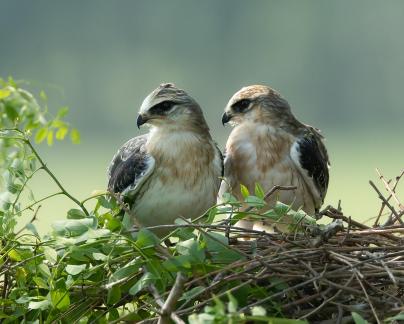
<point>130,167</point>
<point>310,156</point>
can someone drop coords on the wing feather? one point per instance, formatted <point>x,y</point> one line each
<point>130,167</point>
<point>310,157</point>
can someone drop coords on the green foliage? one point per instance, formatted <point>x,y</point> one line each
<point>358,319</point>
<point>23,118</point>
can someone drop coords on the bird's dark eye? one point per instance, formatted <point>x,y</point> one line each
<point>162,107</point>
<point>241,105</point>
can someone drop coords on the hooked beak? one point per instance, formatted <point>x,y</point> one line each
<point>226,118</point>
<point>140,120</point>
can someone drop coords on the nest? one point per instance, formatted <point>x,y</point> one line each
<point>326,273</point>
<point>344,268</point>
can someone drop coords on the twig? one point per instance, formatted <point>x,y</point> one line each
<point>30,222</point>
<point>368,299</point>
<point>38,201</point>
<point>388,198</point>
<point>45,167</point>
<point>390,190</point>
<point>264,300</point>
<point>397,217</point>
<point>167,307</point>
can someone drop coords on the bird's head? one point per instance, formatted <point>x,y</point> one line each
<point>257,103</point>
<point>170,107</point>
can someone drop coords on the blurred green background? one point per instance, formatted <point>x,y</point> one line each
<point>340,64</point>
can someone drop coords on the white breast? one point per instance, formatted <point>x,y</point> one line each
<point>184,183</point>
<point>261,154</point>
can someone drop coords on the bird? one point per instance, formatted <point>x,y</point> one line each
<point>175,169</point>
<point>270,147</point>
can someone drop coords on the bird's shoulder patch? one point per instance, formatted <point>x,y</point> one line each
<point>310,156</point>
<point>130,167</point>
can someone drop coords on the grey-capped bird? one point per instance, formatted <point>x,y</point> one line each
<point>174,170</point>
<point>269,146</point>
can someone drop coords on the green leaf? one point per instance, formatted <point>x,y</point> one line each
<point>81,253</point>
<point>50,254</point>
<point>398,317</point>
<point>258,311</point>
<point>259,191</point>
<point>62,112</point>
<point>125,272</point>
<point>15,255</point>
<point>211,215</point>
<point>281,209</point>
<point>127,221</point>
<point>61,133</point>
<point>255,202</point>
<point>228,198</point>
<point>4,93</point>
<point>220,252</point>
<point>114,295</point>
<point>75,214</point>
<point>99,256</point>
<point>42,305</point>
<point>44,270</point>
<point>74,269</point>
<point>75,136</point>
<point>11,113</point>
<point>358,319</point>
<point>31,227</point>
<point>191,294</point>
<point>144,281</point>
<point>104,202</point>
<point>43,95</point>
<point>278,283</point>
<point>72,227</point>
<point>300,217</point>
<point>60,299</point>
<point>178,263</point>
<point>41,134</point>
<point>113,224</point>
<point>49,138</point>
<point>40,282</point>
<point>57,123</point>
<point>191,248</point>
<point>244,191</point>
<point>146,238</point>
<point>232,304</point>
<point>271,214</point>
<point>113,315</point>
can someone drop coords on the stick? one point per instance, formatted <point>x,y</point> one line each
<point>390,190</point>
<point>167,311</point>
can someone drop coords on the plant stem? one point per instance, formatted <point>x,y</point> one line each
<point>38,201</point>
<point>44,166</point>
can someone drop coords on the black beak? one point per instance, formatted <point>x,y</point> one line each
<point>226,118</point>
<point>140,121</point>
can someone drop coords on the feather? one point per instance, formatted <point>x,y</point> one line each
<point>130,167</point>
<point>310,157</point>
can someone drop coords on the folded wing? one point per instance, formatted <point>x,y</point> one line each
<point>311,159</point>
<point>130,167</point>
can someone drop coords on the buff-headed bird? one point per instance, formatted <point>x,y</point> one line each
<point>175,169</point>
<point>269,146</point>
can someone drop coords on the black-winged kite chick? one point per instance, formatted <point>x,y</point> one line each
<point>172,171</point>
<point>269,146</point>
